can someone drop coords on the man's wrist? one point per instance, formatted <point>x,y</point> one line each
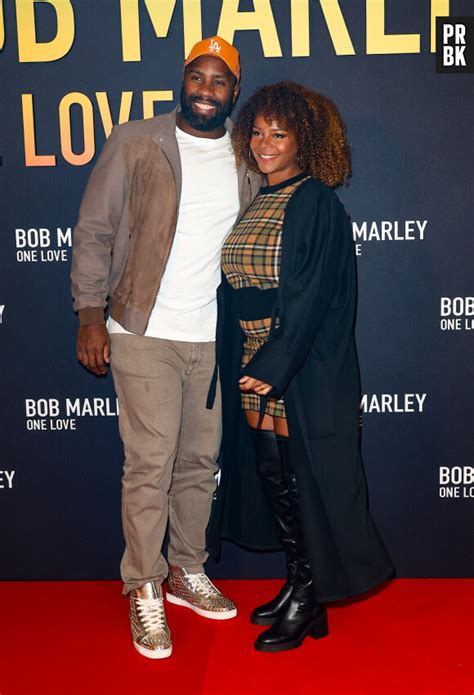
<point>91,315</point>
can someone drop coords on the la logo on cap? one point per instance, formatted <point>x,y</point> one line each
<point>214,47</point>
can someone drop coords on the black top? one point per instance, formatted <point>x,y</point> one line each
<point>282,184</point>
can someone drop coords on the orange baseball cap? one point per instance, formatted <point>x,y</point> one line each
<point>219,48</point>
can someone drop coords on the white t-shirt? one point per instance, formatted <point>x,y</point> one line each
<point>186,307</point>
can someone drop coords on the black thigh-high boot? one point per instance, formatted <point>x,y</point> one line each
<point>302,615</point>
<point>275,482</point>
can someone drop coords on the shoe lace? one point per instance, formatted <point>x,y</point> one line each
<point>202,584</point>
<point>151,612</point>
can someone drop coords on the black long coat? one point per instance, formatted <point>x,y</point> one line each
<point>311,358</point>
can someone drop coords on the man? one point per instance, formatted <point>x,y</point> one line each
<point>161,198</point>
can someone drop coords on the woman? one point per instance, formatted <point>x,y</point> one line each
<point>290,263</point>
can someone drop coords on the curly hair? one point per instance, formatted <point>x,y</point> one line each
<point>323,149</point>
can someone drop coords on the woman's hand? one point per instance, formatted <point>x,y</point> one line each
<point>248,383</point>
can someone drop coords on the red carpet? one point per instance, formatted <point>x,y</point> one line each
<point>415,637</point>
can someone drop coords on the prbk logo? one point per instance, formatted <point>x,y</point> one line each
<point>457,313</point>
<point>52,414</point>
<point>6,480</point>
<point>456,482</point>
<point>387,230</point>
<point>2,309</point>
<point>39,244</point>
<point>393,403</point>
<point>455,44</point>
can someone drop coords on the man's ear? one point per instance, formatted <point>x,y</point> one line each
<point>236,93</point>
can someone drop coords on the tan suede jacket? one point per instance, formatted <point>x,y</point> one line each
<point>127,222</point>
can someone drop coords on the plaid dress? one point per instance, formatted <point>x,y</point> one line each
<point>251,258</point>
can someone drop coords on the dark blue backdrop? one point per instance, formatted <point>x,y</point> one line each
<point>411,134</point>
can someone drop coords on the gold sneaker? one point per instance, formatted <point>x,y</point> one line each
<point>197,592</point>
<point>150,631</point>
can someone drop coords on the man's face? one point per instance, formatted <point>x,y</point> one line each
<point>208,93</point>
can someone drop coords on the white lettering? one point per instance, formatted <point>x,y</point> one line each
<point>408,404</point>
<point>36,425</point>
<point>359,232</point>
<point>54,255</point>
<point>443,475</point>
<point>448,56</point>
<point>450,324</point>
<point>9,476</point>
<point>389,230</point>
<point>445,306</point>
<point>421,399</point>
<point>32,238</point>
<point>62,424</point>
<point>448,32</point>
<point>410,230</point>
<point>27,256</point>
<point>393,403</point>
<point>422,226</point>
<point>459,56</point>
<point>43,407</point>
<point>449,492</point>
<point>92,407</point>
<point>64,238</point>
<point>460,33</point>
<point>456,475</point>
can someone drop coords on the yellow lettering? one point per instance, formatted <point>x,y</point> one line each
<point>149,99</point>
<point>2,26</point>
<point>337,27</point>
<point>31,158</point>
<point>32,51</point>
<point>381,43</point>
<point>85,104</point>
<point>105,113</point>
<point>161,13</point>
<point>261,19</point>
<point>439,8</point>
<point>192,24</point>
<point>299,28</point>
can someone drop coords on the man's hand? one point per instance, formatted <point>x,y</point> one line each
<point>247,383</point>
<point>93,348</point>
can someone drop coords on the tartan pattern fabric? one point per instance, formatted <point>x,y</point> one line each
<point>252,252</point>
<point>251,257</point>
<point>256,334</point>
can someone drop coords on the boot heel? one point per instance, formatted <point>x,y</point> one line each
<point>320,627</point>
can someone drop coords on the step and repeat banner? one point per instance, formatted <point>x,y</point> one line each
<point>69,70</point>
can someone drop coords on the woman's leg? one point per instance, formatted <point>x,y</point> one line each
<point>302,615</point>
<point>252,418</point>
<point>278,425</point>
<point>269,466</point>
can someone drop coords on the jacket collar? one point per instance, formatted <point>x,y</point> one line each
<point>165,136</point>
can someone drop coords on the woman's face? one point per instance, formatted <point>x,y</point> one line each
<point>275,150</point>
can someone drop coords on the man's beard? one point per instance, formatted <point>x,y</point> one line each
<point>205,123</point>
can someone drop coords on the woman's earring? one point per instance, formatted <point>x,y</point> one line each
<point>251,159</point>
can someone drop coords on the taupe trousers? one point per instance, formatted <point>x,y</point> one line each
<point>171,444</point>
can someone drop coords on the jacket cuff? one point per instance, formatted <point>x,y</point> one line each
<point>270,369</point>
<point>91,315</point>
